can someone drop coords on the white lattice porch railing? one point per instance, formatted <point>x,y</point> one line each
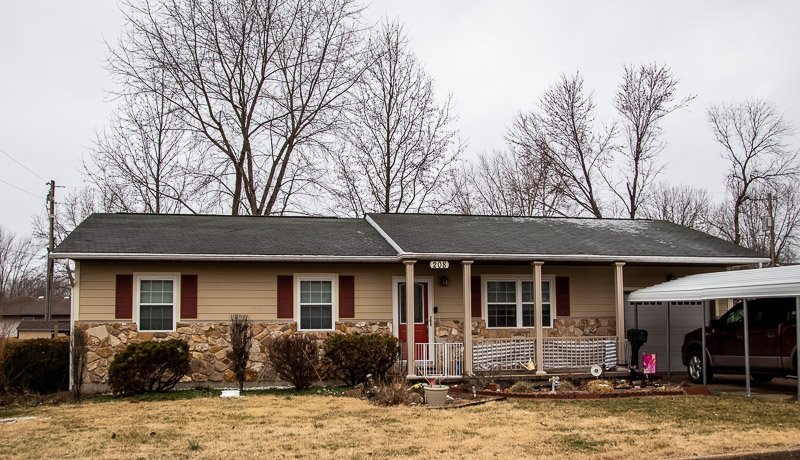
<point>503,354</point>
<point>579,352</point>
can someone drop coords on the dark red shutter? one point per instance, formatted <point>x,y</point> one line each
<point>562,296</point>
<point>476,296</point>
<point>123,298</point>
<point>188,296</point>
<point>285,296</point>
<point>347,297</point>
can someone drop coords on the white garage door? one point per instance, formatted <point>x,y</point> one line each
<point>652,316</point>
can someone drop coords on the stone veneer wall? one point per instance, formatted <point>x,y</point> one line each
<point>451,330</point>
<point>209,344</point>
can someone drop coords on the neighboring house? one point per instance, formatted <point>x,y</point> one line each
<point>542,291</point>
<point>17,316</point>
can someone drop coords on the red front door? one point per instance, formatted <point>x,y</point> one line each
<point>420,312</point>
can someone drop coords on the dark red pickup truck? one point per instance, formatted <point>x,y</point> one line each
<point>773,342</point>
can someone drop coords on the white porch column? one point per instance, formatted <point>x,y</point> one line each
<point>537,314</point>
<point>467,271</point>
<point>619,303</point>
<point>412,372</point>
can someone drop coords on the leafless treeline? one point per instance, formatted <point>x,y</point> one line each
<point>300,107</point>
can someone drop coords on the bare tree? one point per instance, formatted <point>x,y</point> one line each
<point>561,132</point>
<point>681,204</point>
<point>646,95</point>
<point>504,184</point>
<point>753,139</point>
<point>20,271</point>
<point>400,141</point>
<point>146,161</point>
<point>261,83</point>
<point>778,204</point>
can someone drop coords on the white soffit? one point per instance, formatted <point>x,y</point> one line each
<point>760,282</point>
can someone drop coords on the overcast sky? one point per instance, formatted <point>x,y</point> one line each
<point>495,58</point>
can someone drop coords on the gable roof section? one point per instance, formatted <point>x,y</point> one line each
<point>204,237</point>
<point>579,239</point>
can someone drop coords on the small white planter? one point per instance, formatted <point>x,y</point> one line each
<point>229,394</point>
<point>436,395</point>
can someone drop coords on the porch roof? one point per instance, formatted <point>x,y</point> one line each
<point>756,283</point>
<point>560,239</point>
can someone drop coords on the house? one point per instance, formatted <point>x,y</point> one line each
<point>23,317</point>
<point>545,294</point>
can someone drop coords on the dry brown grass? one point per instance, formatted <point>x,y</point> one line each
<point>337,427</point>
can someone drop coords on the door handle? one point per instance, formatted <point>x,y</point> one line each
<point>771,335</point>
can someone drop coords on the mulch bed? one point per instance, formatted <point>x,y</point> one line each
<point>632,393</point>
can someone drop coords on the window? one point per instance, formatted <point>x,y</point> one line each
<point>419,302</point>
<point>510,303</point>
<point>156,303</point>
<point>316,303</point>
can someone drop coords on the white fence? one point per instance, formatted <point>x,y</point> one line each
<point>439,359</point>
<point>503,354</point>
<point>514,354</point>
<point>579,352</point>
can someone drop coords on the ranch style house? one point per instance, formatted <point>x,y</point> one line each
<point>534,295</point>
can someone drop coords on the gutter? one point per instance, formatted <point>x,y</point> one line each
<point>411,255</point>
<point>219,257</point>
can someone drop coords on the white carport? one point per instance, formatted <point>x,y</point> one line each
<point>740,284</point>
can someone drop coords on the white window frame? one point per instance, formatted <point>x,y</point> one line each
<point>485,279</point>
<point>334,279</point>
<point>176,288</point>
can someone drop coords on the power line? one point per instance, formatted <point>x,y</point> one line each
<point>20,189</point>
<point>25,167</point>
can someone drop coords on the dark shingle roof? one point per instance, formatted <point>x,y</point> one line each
<point>33,306</point>
<point>327,238</point>
<point>41,325</point>
<point>225,235</point>
<point>486,235</point>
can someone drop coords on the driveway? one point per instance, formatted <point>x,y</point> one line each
<point>778,388</point>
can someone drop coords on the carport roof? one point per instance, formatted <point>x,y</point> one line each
<point>760,282</point>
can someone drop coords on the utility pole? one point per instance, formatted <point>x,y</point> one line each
<point>771,230</point>
<point>51,214</point>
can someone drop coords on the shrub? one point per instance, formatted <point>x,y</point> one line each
<point>392,392</point>
<point>522,387</point>
<point>241,337</point>
<point>149,366</point>
<point>78,354</point>
<point>294,358</point>
<point>356,356</point>
<point>37,365</point>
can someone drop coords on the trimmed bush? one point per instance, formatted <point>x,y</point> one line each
<point>149,366</point>
<point>356,356</point>
<point>294,358</point>
<point>37,365</point>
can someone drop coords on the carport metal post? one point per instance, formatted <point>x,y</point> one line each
<point>669,343</point>
<point>797,343</point>
<point>703,341</point>
<point>746,350</point>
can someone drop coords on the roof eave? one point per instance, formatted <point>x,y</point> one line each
<point>221,257</point>
<point>696,260</point>
<point>424,256</point>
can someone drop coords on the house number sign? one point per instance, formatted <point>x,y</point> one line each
<point>440,264</point>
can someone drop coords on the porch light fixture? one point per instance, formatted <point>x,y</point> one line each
<point>443,281</point>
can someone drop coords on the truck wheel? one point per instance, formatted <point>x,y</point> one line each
<point>695,367</point>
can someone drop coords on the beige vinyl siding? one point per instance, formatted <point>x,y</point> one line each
<point>251,288</point>
<point>226,288</point>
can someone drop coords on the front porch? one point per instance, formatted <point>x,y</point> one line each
<point>516,357</point>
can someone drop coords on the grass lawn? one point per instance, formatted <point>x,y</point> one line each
<point>285,425</point>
